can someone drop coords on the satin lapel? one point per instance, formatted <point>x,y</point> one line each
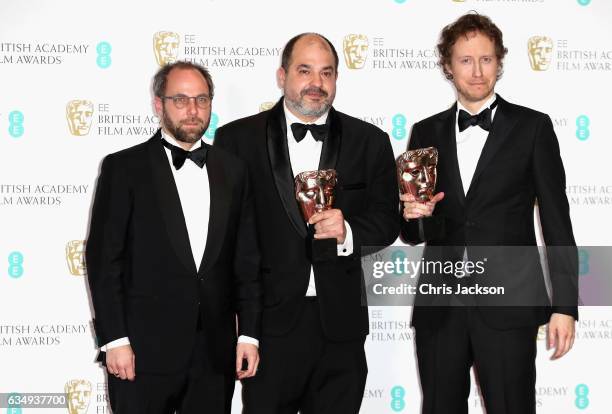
<point>170,203</point>
<point>503,123</point>
<point>448,149</point>
<point>220,201</point>
<point>278,151</point>
<point>331,146</point>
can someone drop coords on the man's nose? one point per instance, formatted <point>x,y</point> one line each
<point>316,80</point>
<point>477,69</point>
<point>192,107</point>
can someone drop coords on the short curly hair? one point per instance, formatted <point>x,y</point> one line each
<point>466,24</point>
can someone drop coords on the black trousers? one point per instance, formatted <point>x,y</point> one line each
<point>196,390</point>
<point>305,372</point>
<point>504,362</point>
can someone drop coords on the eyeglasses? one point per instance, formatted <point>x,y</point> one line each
<point>181,101</point>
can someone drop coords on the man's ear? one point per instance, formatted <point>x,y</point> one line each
<point>280,77</point>
<point>447,72</point>
<point>159,106</point>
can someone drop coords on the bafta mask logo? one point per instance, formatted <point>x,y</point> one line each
<point>314,191</point>
<point>166,47</point>
<point>75,257</point>
<point>79,113</point>
<point>265,106</point>
<point>416,170</point>
<point>355,48</point>
<point>78,394</point>
<point>540,52</point>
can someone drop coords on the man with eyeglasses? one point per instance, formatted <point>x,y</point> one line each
<point>173,261</point>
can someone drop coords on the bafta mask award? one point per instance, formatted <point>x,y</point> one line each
<point>314,192</point>
<point>416,170</point>
<point>75,256</point>
<point>540,50</point>
<point>166,47</point>
<point>79,114</point>
<point>78,394</point>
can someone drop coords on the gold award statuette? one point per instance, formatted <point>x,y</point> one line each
<point>540,50</point>
<point>75,257</point>
<point>314,192</point>
<point>355,48</point>
<point>79,113</point>
<point>166,47</point>
<point>78,394</point>
<point>416,170</point>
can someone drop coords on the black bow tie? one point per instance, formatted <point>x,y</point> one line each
<point>179,155</point>
<point>483,119</point>
<point>319,132</point>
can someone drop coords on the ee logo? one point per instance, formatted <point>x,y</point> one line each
<point>583,262</point>
<point>15,269</point>
<point>103,49</point>
<point>212,126</point>
<point>397,255</point>
<point>399,126</point>
<point>582,396</point>
<point>397,398</point>
<point>582,127</point>
<point>15,119</point>
<point>12,407</point>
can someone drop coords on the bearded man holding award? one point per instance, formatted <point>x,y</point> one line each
<point>325,186</point>
<point>495,161</point>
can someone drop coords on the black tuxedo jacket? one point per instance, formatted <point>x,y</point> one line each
<point>520,165</point>
<point>366,193</point>
<point>143,278</point>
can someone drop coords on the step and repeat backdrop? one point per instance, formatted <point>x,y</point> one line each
<point>75,86</point>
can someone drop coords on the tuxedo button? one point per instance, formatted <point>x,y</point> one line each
<point>470,224</point>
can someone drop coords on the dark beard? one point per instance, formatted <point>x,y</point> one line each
<point>299,107</point>
<point>180,134</point>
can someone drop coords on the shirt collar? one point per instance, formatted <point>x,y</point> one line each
<point>482,108</point>
<point>173,141</point>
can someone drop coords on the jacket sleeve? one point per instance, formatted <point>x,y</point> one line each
<point>248,290</point>
<point>378,224</point>
<point>105,251</point>
<point>562,254</point>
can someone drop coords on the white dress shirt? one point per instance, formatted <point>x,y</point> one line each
<point>305,156</point>
<point>194,194</point>
<point>470,143</point>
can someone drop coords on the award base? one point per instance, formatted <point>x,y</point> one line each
<point>423,229</point>
<point>321,250</point>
